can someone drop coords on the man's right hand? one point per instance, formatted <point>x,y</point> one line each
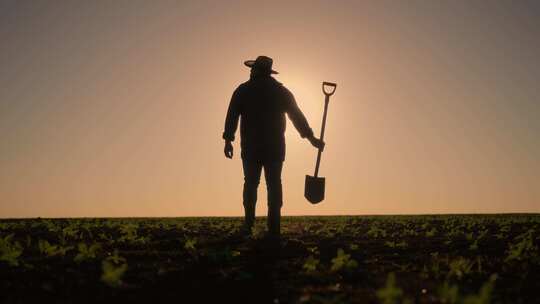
<point>317,143</point>
<point>228,150</point>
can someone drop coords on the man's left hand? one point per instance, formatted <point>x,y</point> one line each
<point>228,150</point>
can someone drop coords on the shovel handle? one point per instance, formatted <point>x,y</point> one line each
<point>328,85</point>
<point>326,102</point>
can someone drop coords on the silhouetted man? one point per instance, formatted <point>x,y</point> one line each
<point>262,103</point>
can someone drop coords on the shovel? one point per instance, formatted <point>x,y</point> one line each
<point>314,190</point>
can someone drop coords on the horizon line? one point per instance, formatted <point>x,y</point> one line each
<point>261,216</point>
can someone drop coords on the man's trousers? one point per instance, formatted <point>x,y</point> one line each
<point>272,175</point>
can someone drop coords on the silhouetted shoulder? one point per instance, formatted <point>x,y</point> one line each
<point>288,94</point>
<point>239,92</point>
<point>285,93</point>
<point>242,86</point>
<point>279,87</point>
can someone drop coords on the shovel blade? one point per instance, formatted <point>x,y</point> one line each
<point>314,190</point>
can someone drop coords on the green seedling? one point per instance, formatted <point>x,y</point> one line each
<point>313,250</point>
<point>343,261</point>
<point>87,252</point>
<point>10,251</point>
<point>113,270</point>
<point>52,250</point>
<point>310,265</point>
<point>390,293</point>
<point>431,232</point>
<point>189,244</point>
<point>524,248</point>
<point>70,231</point>
<point>460,267</point>
<point>484,294</point>
<point>474,245</point>
<point>130,235</point>
<point>376,232</point>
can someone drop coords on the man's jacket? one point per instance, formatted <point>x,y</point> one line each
<point>262,103</point>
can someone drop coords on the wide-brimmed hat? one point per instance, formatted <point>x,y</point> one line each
<point>262,63</point>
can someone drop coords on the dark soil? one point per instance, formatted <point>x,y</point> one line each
<point>490,258</point>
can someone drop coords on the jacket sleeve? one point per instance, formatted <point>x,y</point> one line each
<point>233,114</point>
<point>296,116</point>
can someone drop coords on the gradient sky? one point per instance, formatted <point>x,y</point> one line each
<point>116,108</point>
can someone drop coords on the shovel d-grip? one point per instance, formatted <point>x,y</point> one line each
<point>314,187</point>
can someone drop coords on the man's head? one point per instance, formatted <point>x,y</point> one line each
<point>261,66</point>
